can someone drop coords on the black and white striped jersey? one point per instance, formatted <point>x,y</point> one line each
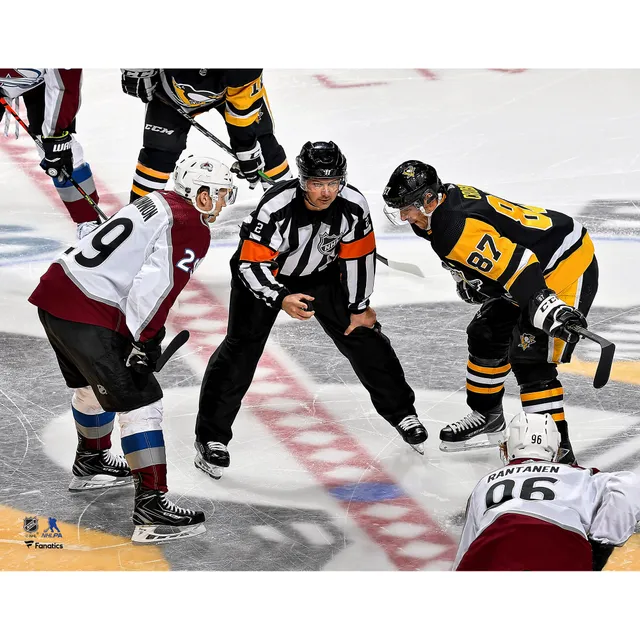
<point>283,237</point>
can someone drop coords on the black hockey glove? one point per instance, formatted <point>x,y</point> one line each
<point>140,83</point>
<point>248,165</point>
<point>470,292</point>
<point>57,156</point>
<point>552,315</point>
<point>144,355</point>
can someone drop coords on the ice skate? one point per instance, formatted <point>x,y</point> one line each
<point>212,458</point>
<point>159,520</point>
<point>99,470</point>
<point>413,433</point>
<point>475,431</point>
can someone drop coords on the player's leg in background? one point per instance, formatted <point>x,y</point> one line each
<point>164,139</point>
<point>94,467</point>
<point>370,353</point>
<point>488,338</point>
<point>79,209</point>
<point>535,356</point>
<point>229,374</point>
<point>276,165</point>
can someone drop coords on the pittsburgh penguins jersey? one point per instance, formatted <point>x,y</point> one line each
<point>241,91</point>
<point>283,237</point>
<point>600,506</point>
<point>127,274</point>
<point>62,93</point>
<point>514,250</point>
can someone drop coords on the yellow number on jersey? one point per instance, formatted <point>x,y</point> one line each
<point>526,216</point>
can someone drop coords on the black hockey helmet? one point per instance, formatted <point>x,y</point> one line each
<point>321,160</point>
<point>409,183</point>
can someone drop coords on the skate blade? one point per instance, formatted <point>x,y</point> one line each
<point>418,447</point>
<point>163,533</point>
<point>210,469</point>
<point>100,481</point>
<point>454,447</point>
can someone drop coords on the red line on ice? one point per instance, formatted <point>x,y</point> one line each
<point>410,536</point>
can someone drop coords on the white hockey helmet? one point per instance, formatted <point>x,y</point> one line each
<point>531,435</point>
<point>194,172</point>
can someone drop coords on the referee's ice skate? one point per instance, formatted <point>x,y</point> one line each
<point>212,458</point>
<point>413,433</point>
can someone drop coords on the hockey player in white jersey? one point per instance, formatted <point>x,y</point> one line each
<point>536,514</point>
<point>103,305</point>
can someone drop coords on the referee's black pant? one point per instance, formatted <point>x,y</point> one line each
<point>233,364</point>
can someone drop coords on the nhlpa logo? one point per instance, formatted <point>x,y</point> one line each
<point>52,531</point>
<point>526,340</point>
<point>327,243</point>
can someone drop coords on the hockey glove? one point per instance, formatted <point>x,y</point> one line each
<point>470,291</point>
<point>58,156</point>
<point>145,355</point>
<point>552,315</point>
<point>248,165</point>
<point>139,83</point>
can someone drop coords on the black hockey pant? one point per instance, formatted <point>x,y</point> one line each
<point>501,338</point>
<point>232,366</point>
<point>165,138</point>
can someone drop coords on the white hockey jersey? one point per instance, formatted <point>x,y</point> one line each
<point>600,506</point>
<point>62,89</point>
<point>127,274</point>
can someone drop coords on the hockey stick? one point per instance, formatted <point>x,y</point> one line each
<point>607,350</point>
<point>65,175</point>
<point>172,347</point>
<point>207,133</point>
<point>398,266</point>
<point>405,267</point>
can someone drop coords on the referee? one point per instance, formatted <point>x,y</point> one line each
<point>308,248</point>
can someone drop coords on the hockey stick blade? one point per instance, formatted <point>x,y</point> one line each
<point>405,267</point>
<point>172,347</point>
<point>607,351</point>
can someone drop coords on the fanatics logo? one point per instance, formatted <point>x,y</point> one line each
<point>526,340</point>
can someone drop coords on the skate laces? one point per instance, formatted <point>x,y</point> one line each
<point>470,421</point>
<point>215,446</point>
<point>170,506</point>
<point>113,460</point>
<point>409,423</point>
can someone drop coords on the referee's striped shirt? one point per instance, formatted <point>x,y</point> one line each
<point>283,237</point>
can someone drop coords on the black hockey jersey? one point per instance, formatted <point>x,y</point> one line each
<point>283,237</point>
<point>514,250</point>
<point>240,91</point>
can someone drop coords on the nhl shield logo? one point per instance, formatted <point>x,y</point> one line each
<point>327,243</point>
<point>526,340</point>
<point>30,524</point>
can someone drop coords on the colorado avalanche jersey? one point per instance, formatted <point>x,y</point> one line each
<point>600,506</point>
<point>127,274</point>
<point>62,93</point>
